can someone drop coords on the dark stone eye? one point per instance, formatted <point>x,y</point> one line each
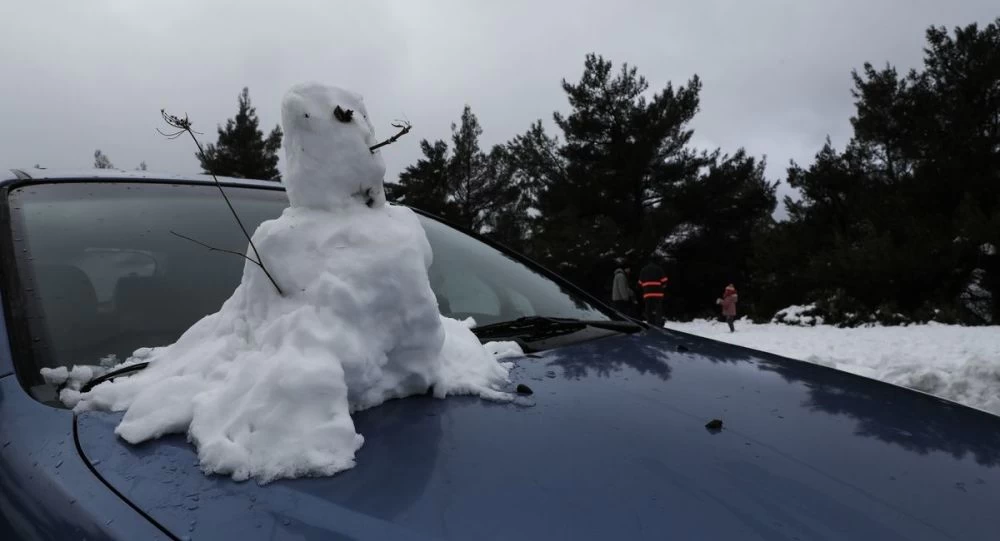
<point>342,114</point>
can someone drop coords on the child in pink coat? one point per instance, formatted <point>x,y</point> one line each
<point>728,303</point>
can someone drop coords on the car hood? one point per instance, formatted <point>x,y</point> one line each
<point>613,444</point>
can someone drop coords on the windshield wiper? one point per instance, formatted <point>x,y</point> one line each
<point>123,371</point>
<point>537,327</point>
<point>527,328</point>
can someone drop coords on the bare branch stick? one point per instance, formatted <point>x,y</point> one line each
<point>183,125</point>
<point>174,135</point>
<point>214,249</point>
<point>404,128</point>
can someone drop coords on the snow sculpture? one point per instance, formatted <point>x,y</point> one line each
<point>264,388</point>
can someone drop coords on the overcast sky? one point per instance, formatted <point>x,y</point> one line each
<point>81,75</point>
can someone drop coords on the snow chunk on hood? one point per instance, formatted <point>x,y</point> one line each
<point>264,387</point>
<point>504,349</point>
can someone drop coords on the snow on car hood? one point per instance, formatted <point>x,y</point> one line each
<point>613,447</point>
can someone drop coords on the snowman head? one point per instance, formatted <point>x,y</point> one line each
<point>327,140</point>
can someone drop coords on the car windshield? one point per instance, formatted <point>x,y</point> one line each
<point>103,273</point>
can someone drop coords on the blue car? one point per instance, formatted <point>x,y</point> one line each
<point>630,432</point>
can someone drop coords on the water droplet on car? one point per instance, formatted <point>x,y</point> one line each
<point>59,463</point>
<point>286,522</point>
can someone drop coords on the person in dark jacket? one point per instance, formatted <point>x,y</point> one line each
<point>653,282</point>
<point>622,296</point>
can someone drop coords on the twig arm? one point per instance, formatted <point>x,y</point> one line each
<point>184,125</point>
<point>214,249</point>
<point>404,128</point>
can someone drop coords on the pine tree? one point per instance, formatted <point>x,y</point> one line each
<point>142,166</point>
<point>101,160</point>
<point>719,214</point>
<point>903,218</point>
<point>535,166</point>
<point>624,152</point>
<point>507,220</point>
<point>242,150</point>
<point>478,184</point>
<point>424,185</point>
<point>469,187</point>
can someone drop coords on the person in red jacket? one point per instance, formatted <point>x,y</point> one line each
<point>728,303</point>
<point>653,282</point>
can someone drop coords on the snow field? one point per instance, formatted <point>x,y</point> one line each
<point>961,364</point>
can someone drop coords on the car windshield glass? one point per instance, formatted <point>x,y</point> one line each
<point>102,274</point>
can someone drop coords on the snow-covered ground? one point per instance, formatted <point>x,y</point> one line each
<point>958,363</point>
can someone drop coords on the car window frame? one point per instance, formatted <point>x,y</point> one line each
<point>15,286</point>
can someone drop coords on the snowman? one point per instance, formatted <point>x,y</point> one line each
<point>264,387</point>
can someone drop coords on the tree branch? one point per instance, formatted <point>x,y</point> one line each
<point>404,128</point>
<point>183,125</point>
<point>214,249</point>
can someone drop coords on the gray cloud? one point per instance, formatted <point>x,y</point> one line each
<point>85,75</point>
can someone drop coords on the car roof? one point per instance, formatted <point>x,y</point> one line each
<point>8,176</point>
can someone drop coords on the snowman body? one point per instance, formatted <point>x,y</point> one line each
<point>265,387</point>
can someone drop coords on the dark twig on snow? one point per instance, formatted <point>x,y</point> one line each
<point>182,126</point>
<point>404,128</point>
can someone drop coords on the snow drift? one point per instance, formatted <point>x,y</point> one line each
<point>958,363</point>
<point>265,387</point>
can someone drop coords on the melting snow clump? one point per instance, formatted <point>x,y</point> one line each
<point>264,387</point>
<point>798,315</point>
